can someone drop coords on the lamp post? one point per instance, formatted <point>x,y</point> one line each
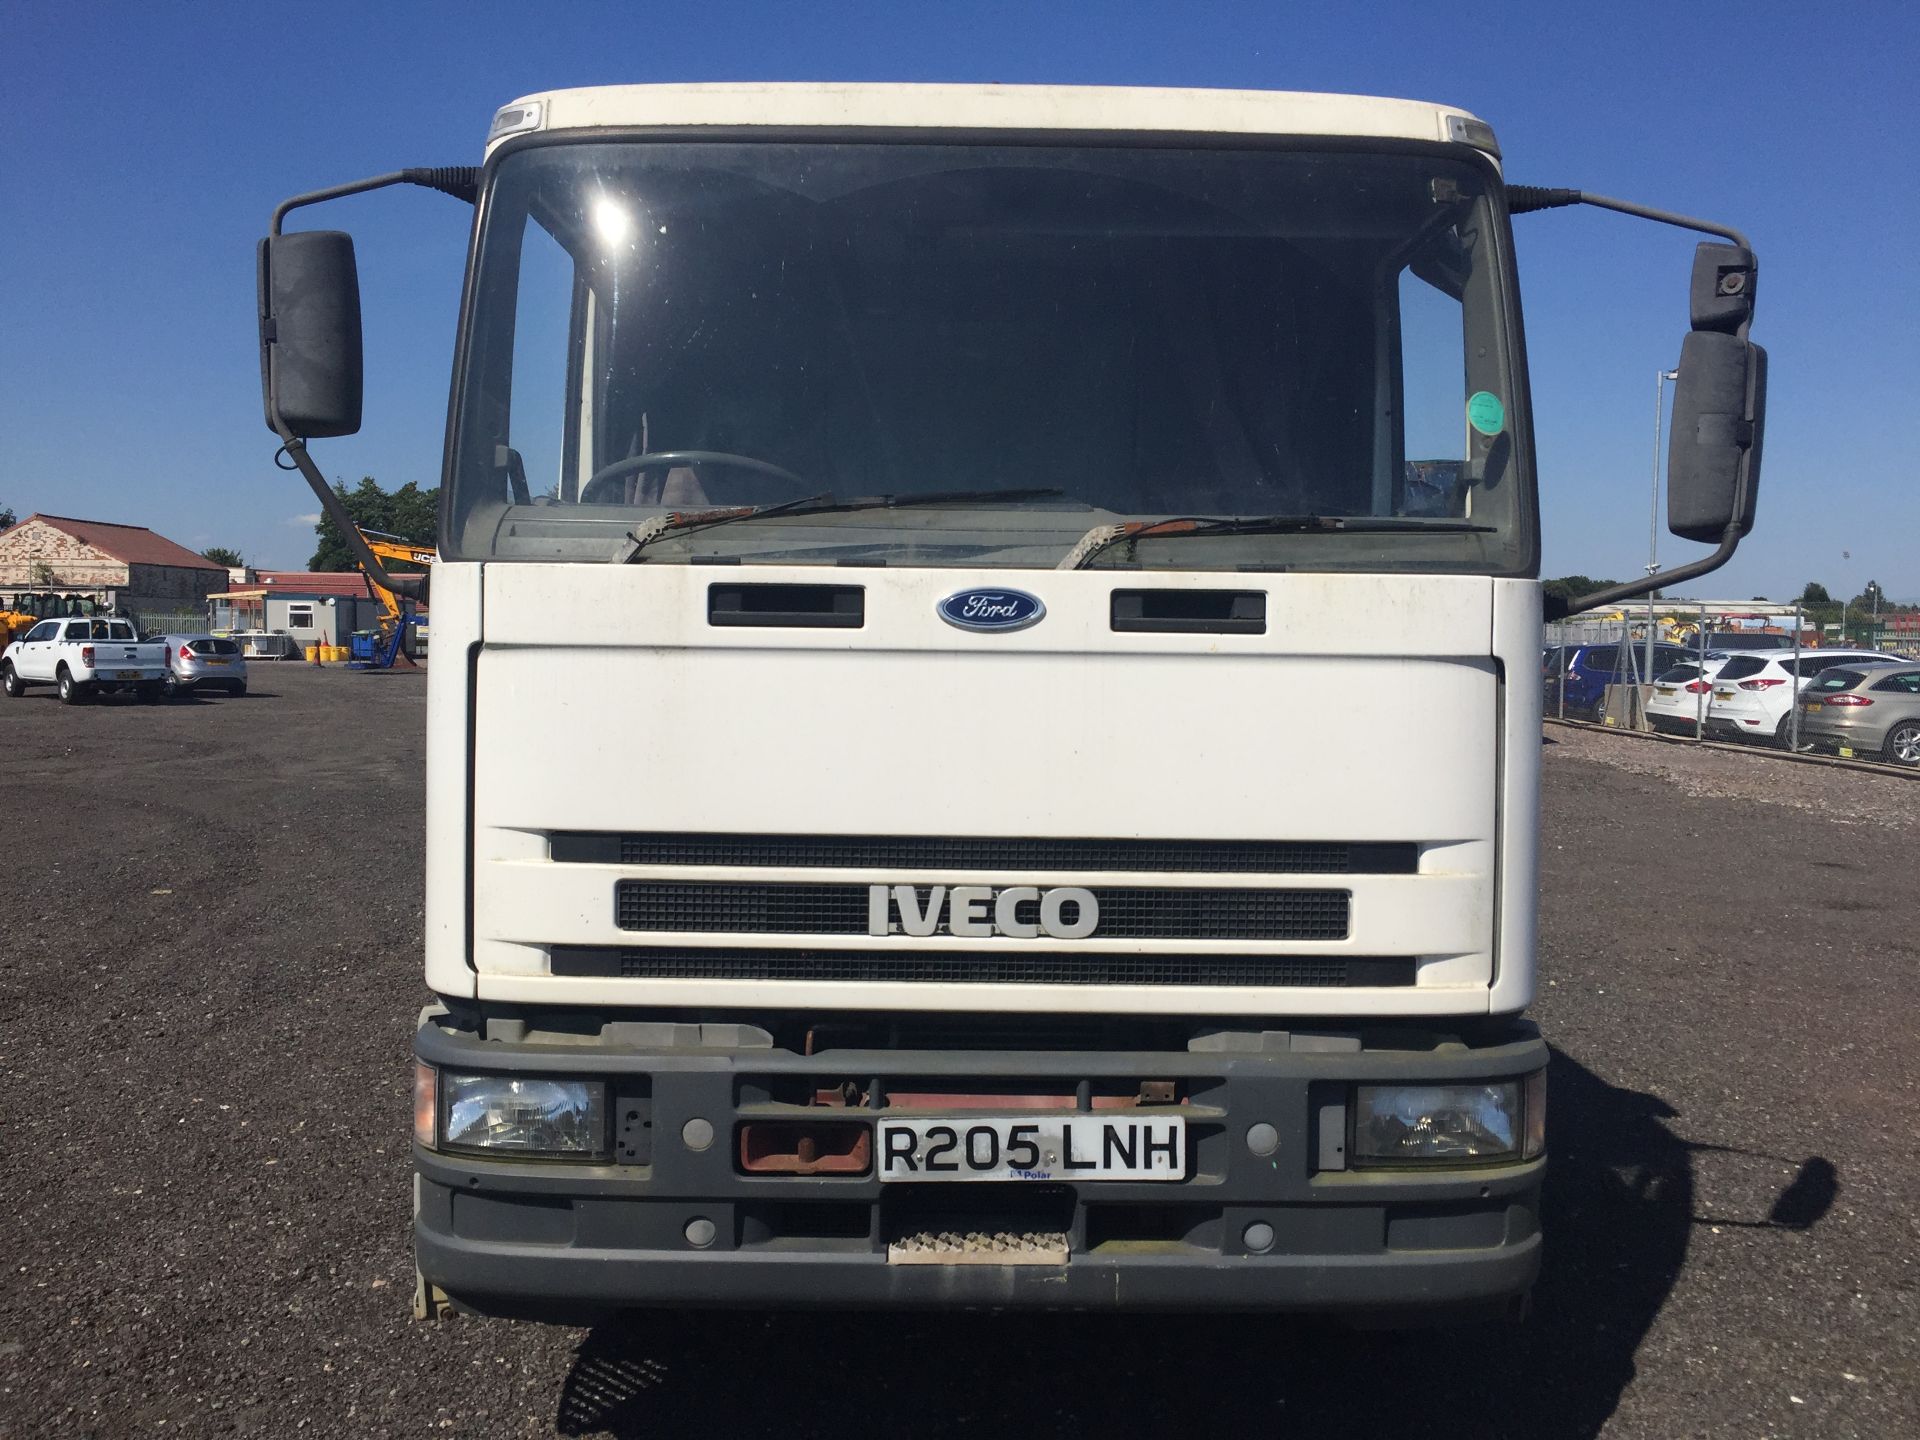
<point>1660,379</point>
<point>1845,599</point>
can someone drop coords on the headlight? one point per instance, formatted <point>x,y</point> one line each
<point>523,1116</point>
<point>1416,1124</point>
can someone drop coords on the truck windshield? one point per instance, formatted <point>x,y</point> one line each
<point>1043,339</point>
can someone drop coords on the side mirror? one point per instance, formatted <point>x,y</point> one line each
<point>1719,404</point>
<point>310,361</point>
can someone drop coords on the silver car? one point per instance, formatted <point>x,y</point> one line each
<point>204,662</point>
<point>1865,708</point>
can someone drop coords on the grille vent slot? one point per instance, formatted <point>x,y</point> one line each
<point>1126,912</point>
<point>991,854</point>
<point>812,607</point>
<point>1190,612</point>
<point>1008,967</point>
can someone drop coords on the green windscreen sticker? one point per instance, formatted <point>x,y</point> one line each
<point>1485,412</point>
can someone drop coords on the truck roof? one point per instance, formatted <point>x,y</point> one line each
<point>987,107</point>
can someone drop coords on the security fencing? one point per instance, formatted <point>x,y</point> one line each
<point>155,623</point>
<point>1679,675</point>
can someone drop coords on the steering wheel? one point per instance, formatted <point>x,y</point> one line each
<point>668,459</point>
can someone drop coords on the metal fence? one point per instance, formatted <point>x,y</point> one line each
<point>184,622</point>
<point>1622,656</point>
<point>1620,659</point>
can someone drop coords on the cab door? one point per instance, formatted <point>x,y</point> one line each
<point>35,660</point>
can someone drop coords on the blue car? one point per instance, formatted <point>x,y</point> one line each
<point>1585,671</point>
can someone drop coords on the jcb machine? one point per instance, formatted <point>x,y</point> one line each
<point>396,613</point>
<point>15,623</point>
<point>938,579</point>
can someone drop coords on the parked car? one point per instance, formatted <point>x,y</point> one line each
<point>1865,708</point>
<point>1585,671</point>
<point>96,655</point>
<point>204,662</point>
<point>1679,697</point>
<point>1753,695</point>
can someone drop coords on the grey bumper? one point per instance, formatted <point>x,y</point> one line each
<point>574,1242</point>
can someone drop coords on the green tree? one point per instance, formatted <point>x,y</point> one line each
<point>1815,594</point>
<point>409,512</point>
<point>221,555</point>
<point>6,517</point>
<point>1569,586</point>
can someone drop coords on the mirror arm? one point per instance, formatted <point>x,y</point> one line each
<point>1554,608</point>
<point>411,586</point>
<point>460,181</point>
<point>463,183</point>
<point>1523,199</point>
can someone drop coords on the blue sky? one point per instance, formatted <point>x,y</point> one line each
<point>148,144</point>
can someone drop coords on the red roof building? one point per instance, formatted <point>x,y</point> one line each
<point>56,560</point>
<point>310,582</point>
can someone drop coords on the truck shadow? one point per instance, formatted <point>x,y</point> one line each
<point>1619,1211</point>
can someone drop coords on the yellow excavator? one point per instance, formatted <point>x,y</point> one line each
<point>15,621</point>
<point>394,617</point>
<point>13,624</point>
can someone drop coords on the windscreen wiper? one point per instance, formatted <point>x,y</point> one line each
<point>1105,537</point>
<point>682,521</point>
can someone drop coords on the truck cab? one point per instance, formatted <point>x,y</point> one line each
<point>983,744</point>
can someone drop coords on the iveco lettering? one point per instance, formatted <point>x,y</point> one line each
<point>1022,911</point>
<point>778,892</point>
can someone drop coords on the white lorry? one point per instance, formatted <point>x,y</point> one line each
<point>934,586</point>
<point>84,657</point>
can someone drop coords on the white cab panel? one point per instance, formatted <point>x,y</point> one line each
<point>1370,710</point>
<point>456,628</point>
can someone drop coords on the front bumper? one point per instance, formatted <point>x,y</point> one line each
<point>574,1242</point>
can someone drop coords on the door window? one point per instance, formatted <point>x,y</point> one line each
<point>1433,399</point>
<point>545,314</point>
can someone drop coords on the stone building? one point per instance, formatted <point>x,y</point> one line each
<point>51,564</point>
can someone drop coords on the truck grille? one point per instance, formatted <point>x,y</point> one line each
<point>991,854</point>
<point>1126,912</point>
<point>1008,967</point>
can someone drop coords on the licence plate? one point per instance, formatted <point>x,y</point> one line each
<point>1723,694</point>
<point>213,662</point>
<point>1664,691</point>
<point>126,674</point>
<point>1811,709</point>
<point>1059,1147</point>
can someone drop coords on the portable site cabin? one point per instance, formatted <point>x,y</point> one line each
<point>308,607</point>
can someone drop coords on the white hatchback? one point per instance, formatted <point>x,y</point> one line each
<point>1679,696</point>
<point>1753,694</point>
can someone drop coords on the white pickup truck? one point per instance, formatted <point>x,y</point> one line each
<point>84,656</point>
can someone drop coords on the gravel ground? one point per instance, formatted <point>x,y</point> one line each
<point>1840,793</point>
<point>208,976</point>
